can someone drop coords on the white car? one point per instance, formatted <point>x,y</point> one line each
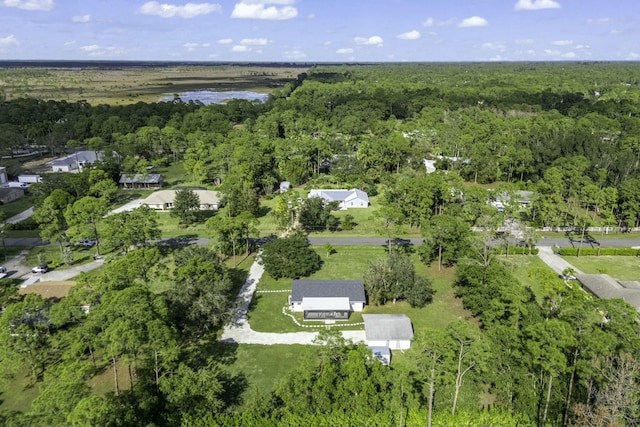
<point>87,243</point>
<point>40,269</point>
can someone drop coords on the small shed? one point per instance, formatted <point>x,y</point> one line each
<point>139,180</point>
<point>327,299</point>
<point>9,194</point>
<point>285,186</point>
<point>393,331</point>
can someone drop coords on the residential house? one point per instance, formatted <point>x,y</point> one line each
<point>327,300</point>
<point>605,286</point>
<point>346,199</point>
<point>521,200</point>
<point>393,331</point>
<point>29,179</point>
<point>139,180</point>
<point>76,161</point>
<point>10,194</point>
<point>164,199</point>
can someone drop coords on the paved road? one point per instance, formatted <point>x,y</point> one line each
<point>239,331</point>
<point>65,274</point>
<point>555,262</point>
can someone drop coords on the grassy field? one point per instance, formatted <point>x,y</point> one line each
<point>121,86</point>
<point>349,263</point>
<point>524,267</point>
<point>16,207</point>
<point>618,267</point>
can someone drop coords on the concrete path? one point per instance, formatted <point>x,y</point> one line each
<point>239,331</point>
<point>134,204</point>
<point>555,262</point>
<point>20,217</point>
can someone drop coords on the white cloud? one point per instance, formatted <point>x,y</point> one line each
<point>369,41</point>
<point>569,55</point>
<point>225,41</point>
<point>633,56</point>
<point>190,46</point>
<point>240,48</point>
<point>344,51</point>
<point>327,43</point>
<point>536,4</point>
<point>95,51</point>
<point>294,54</point>
<point>474,21</point>
<point>30,4</point>
<point>90,48</point>
<point>615,32</point>
<point>253,42</point>
<point>250,9</point>
<point>562,42</point>
<point>311,16</point>
<point>582,46</point>
<point>599,21</point>
<point>551,52</point>
<point>494,46</point>
<point>70,43</point>
<point>430,22</point>
<point>81,19</point>
<point>189,10</point>
<point>496,58</point>
<point>8,41</point>
<point>525,41</point>
<point>410,35</point>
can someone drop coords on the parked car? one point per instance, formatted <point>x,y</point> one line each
<point>87,243</point>
<point>40,269</point>
<point>568,277</point>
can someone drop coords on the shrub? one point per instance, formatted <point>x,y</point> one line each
<point>603,251</point>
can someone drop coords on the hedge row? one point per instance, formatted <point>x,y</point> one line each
<point>517,250</point>
<point>603,251</point>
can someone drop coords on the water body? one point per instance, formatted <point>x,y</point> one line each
<point>214,97</point>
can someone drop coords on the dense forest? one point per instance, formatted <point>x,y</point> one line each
<point>568,132</point>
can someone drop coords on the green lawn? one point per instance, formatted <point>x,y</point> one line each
<point>618,267</point>
<point>264,365</point>
<point>523,267</point>
<point>17,206</point>
<point>349,263</point>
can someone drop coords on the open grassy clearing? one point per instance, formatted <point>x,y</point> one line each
<point>523,267</point>
<point>118,85</point>
<point>349,263</point>
<point>618,267</point>
<point>264,365</point>
<point>17,206</point>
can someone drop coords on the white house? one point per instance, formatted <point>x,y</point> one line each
<point>327,300</point>
<point>164,199</point>
<point>346,199</point>
<point>393,331</point>
<point>76,161</point>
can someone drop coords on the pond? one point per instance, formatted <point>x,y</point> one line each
<point>214,97</point>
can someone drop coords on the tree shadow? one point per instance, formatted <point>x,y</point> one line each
<point>263,211</point>
<point>400,245</point>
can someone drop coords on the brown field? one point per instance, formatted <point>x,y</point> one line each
<point>122,86</point>
<point>49,289</point>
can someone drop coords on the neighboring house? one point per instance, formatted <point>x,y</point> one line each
<point>522,199</point>
<point>76,161</point>
<point>346,199</point>
<point>393,331</point>
<point>10,194</point>
<point>327,300</point>
<point>139,180</point>
<point>29,179</point>
<point>605,286</point>
<point>430,165</point>
<point>285,186</point>
<point>164,199</point>
<point>3,175</point>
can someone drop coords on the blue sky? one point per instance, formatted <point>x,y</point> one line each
<point>321,30</point>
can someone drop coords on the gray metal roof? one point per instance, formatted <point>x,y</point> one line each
<point>353,289</point>
<point>86,156</point>
<point>383,327</point>
<point>139,178</point>
<point>605,286</point>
